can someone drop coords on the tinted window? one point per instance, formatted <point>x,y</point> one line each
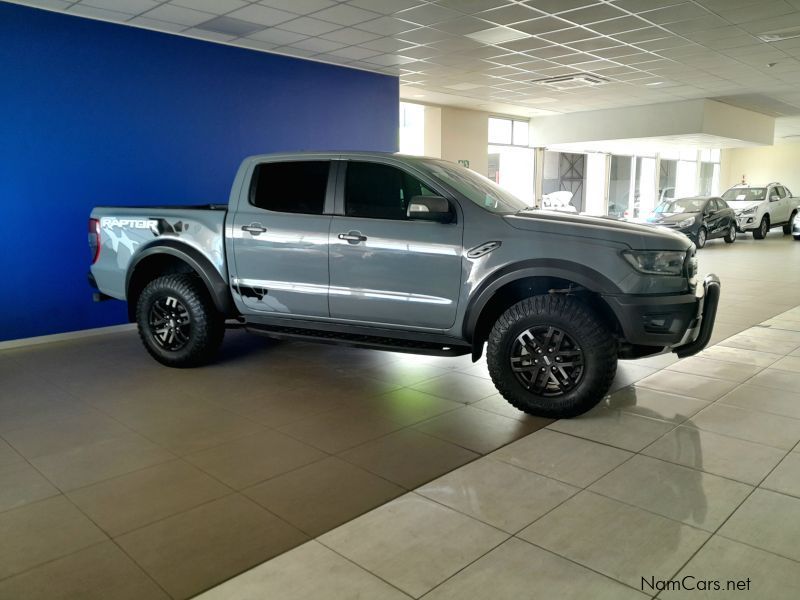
<point>377,191</point>
<point>290,187</point>
<point>684,205</point>
<point>722,204</point>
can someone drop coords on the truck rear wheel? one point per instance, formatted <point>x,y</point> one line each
<point>551,356</point>
<point>177,321</point>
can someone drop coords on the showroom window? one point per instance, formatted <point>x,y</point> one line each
<point>290,187</point>
<point>376,191</point>
<point>412,128</point>
<point>508,132</point>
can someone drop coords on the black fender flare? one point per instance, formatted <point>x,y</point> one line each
<point>537,267</point>
<point>217,287</point>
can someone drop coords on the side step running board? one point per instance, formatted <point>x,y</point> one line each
<point>358,340</point>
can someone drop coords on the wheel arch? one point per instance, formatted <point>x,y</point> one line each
<point>507,286</point>
<point>170,257</point>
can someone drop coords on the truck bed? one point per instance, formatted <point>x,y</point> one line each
<point>127,231</point>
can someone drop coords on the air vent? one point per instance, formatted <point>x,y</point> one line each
<point>778,35</point>
<point>570,82</point>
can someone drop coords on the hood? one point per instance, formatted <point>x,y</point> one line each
<point>670,218</point>
<point>738,205</point>
<point>634,235</point>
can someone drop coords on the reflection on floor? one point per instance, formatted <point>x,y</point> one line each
<point>122,479</point>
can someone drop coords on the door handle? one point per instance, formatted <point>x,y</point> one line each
<point>353,237</point>
<point>254,228</point>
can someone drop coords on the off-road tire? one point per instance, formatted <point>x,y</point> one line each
<point>730,237</point>
<point>702,237</point>
<point>763,228</point>
<point>787,229</point>
<point>578,321</point>
<point>206,326</point>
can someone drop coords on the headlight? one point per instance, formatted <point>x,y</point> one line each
<point>656,262</point>
<point>748,211</point>
<point>686,223</point>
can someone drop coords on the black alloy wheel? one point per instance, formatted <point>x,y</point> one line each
<point>547,361</point>
<point>170,324</point>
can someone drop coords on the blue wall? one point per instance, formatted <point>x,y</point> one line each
<point>96,113</point>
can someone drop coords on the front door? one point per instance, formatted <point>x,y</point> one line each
<point>386,268</point>
<point>280,240</point>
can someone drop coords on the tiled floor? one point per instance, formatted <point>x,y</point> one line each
<point>122,479</point>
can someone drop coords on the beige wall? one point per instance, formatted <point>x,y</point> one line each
<point>761,165</point>
<point>465,135</point>
<point>433,131</point>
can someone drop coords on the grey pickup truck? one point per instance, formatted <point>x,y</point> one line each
<point>409,254</point>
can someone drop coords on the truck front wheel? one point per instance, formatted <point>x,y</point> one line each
<point>551,356</point>
<point>177,321</point>
<point>763,229</point>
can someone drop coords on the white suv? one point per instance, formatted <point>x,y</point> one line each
<point>759,208</point>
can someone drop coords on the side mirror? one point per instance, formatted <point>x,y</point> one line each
<point>429,208</point>
<point>774,198</point>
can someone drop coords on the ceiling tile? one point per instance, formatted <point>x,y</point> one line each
<point>618,25</point>
<point>157,25</point>
<point>427,14</point>
<point>349,35</point>
<point>277,37</point>
<point>512,13</point>
<point>683,27</point>
<point>386,26</point>
<point>554,6</point>
<point>129,7</point>
<point>386,7</point>
<point>761,10</point>
<point>204,34</point>
<point>309,26</point>
<point>565,36</point>
<point>177,14</point>
<point>471,6</point>
<point>528,43</point>
<point>592,14</point>
<point>642,35</point>
<point>230,26</point>
<point>386,44</point>
<point>542,25</point>
<point>217,7</point>
<point>317,45</point>
<point>597,43</point>
<point>264,15</point>
<point>344,14</point>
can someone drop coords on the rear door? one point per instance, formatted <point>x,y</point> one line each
<point>385,268</point>
<point>280,239</point>
<point>717,220</point>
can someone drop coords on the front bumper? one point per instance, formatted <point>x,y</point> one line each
<point>746,222</point>
<point>682,323</point>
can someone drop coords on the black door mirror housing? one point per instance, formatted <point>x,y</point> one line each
<point>429,208</point>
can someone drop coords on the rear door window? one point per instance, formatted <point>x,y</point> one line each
<point>291,187</point>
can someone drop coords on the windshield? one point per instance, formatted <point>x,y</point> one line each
<point>479,189</point>
<point>684,205</point>
<point>745,194</point>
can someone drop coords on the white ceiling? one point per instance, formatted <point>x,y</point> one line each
<point>486,53</point>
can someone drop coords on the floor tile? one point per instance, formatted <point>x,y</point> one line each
<point>100,572</point>
<point>458,387</point>
<point>654,404</point>
<point>408,458</point>
<point>740,356</point>
<point>775,378</point>
<point>246,461</point>
<point>517,569</point>
<point>405,406</point>
<point>403,372</point>
<point>753,397</point>
<point>21,484</point>
<point>753,426</point>
<point>195,550</point>
<point>9,456</point>
<point>786,476</point>
<point>618,540</point>
<point>629,373</point>
<point>615,428</point>
<point>499,405</point>
<point>40,532</point>
<point>686,384</point>
<point>760,344</point>
<point>722,455</point>
<point>198,431</point>
<point>64,435</point>
<point>309,571</point>
<point>769,521</point>
<point>478,430</point>
<point>21,413</point>
<point>674,491</point>
<point>85,465</point>
<point>566,458</point>
<point>322,495</point>
<point>291,407</point>
<point>340,429</point>
<point>773,333</point>
<point>717,369</point>
<point>498,493</point>
<point>723,560</point>
<point>788,363</point>
<point>413,543</point>
<point>132,501</point>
